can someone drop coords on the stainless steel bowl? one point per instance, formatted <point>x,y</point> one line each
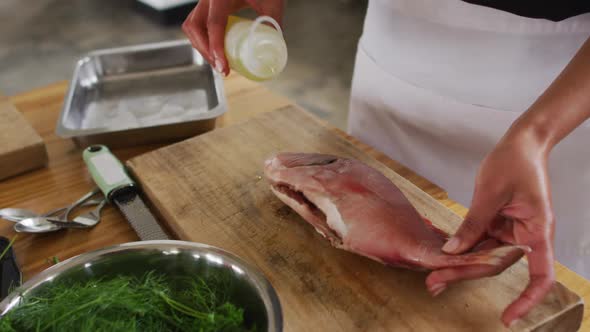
<point>175,258</point>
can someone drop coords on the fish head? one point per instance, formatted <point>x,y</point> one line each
<point>299,180</point>
<point>351,204</point>
<point>296,169</point>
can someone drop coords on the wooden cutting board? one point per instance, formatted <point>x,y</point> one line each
<point>210,189</point>
<point>21,148</point>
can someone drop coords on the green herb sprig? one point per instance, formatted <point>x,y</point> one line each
<point>128,304</point>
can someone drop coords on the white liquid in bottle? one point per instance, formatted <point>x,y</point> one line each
<point>255,50</point>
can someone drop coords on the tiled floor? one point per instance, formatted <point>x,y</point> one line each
<point>40,41</point>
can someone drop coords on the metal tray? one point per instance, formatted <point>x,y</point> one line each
<point>141,82</point>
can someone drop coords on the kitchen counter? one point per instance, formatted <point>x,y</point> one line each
<point>66,179</point>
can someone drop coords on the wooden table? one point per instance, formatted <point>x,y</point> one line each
<point>66,179</point>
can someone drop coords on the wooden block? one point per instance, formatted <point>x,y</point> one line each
<point>21,148</point>
<point>210,189</point>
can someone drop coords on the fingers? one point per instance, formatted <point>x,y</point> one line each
<point>535,292</point>
<point>483,211</point>
<point>195,28</point>
<point>502,228</point>
<point>437,281</point>
<point>205,26</point>
<point>219,10</point>
<point>450,275</point>
<point>542,275</point>
<point>487,244</point>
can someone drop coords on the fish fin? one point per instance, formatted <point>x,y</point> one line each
<point>440,278</point>
<point>437,230</point>
<point>494,257</point>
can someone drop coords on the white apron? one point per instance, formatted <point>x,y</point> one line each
<point>438,82</point>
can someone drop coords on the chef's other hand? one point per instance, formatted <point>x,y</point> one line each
<point>205,25</point>
<point>512,203</point>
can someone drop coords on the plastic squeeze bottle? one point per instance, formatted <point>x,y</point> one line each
<point>255,50</point>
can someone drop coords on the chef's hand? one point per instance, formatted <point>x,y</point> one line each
<point>512,198</point>
<point>512,203</point>
<point>205,25</point>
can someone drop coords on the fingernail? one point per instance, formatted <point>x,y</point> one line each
<point>437,289</point>
<point>219,64</point>
<point>435,286</point>
<point>451,245</point>
<point>525,249</point>
<point>437,293</point>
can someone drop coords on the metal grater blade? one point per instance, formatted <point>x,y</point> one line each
<point>139,216</point>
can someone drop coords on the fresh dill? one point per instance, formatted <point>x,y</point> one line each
<point>124,303</point>
<point>53,260</point>
<point>8,247</point>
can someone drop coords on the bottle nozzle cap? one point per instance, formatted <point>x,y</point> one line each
<point>273,58</point>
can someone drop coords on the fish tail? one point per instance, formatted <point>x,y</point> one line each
<point>494,257</point>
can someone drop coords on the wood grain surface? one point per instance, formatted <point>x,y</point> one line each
<point>21,148</point>
<point>210,189</point>
<point>65,179</point>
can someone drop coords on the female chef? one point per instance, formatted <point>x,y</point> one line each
<point>473,94</point>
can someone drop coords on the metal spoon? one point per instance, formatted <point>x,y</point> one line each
<point>16,215</point>
<point>35,225</point>
<point>42,225</point>
<point>46,224</point>
<point>86,220</point>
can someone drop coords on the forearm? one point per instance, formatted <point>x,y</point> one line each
<point>562,107</point>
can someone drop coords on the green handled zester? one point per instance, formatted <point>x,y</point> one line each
<point>110,176</point>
